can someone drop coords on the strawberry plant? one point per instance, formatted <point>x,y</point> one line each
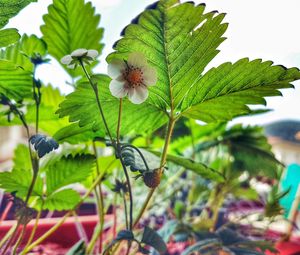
<point>127,136</point>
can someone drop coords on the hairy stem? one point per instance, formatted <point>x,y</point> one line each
<point>126,211</point>
<point>130,194</point>
<point>119,149</point>
<point>94,87</point>
<point>100,204</point>
<point>163,160</point>
<point>119,121</point>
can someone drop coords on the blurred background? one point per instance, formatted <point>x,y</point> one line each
<point>267,29</point>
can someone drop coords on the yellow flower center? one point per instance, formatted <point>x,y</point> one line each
<point>134,77</point>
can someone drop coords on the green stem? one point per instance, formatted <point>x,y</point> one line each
<point>126,211</point>
<point>168,137</point>
<point>8,234</point>
<point>215,203</point>
<point>63,219</point>
<point>35,169</point>
<point>19,240</point>
<point>119,121</point>
<point>125,171</point>
<point>34,177</point>
<point>34,227</point>
<point>100,205</point>
<point>130,194</point>
<point>94,87</point>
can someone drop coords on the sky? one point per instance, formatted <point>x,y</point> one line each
<point>266,29</point>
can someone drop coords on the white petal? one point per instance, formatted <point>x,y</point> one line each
<point>92,53</point>
<point>137,59</point>
<point>66,60</point>
<point>138,95</point>
<point>79,53</point>
<point>149,75</point>
<point>115,68</point>
<point>118,89</point>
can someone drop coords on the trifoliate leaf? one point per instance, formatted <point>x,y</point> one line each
<point>65,199</point>
<point>81,107</point>
<point>8,36</point>
<point>70,25</point>
<point>179,40</point>
<point>68,170</point>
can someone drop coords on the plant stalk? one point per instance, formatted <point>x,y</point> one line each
<point>100,205</point>
<point>94,87</point>
<point>168,137</point>
<point>34,228</point>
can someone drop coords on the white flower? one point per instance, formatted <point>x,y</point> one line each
<point>131,77</point>
<point>84,55</point>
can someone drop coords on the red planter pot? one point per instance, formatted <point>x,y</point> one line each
<point>63,238</point>
<point>66,235</point>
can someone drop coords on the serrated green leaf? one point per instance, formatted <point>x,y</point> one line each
<point>19,180</point>
<point>8,36</point>
<point>22,157</point>
<point>10,8</point>
<point>65,199</point>
<point>224,92</point>
<point>70,25</point>
<point>81,107</point>
<point>68,170</point>
<point>179,40</point>
<point>15,82</point>
<point>21,52</point>
<point>198,168</point>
